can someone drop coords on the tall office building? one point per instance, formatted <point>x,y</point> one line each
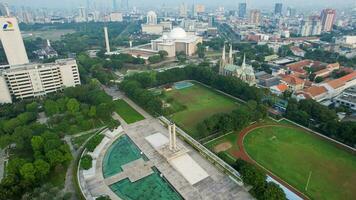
<point>327,19</point>
<point>114,5</point>
<point>291,12</point>
<point>35,80</point>
<point>12,42</point>
<point>242,10</point>
<point>125,5</point>
<point>255,16</point>
<point>278,9</point>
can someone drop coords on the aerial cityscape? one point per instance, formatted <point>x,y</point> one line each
<point>173,100</point>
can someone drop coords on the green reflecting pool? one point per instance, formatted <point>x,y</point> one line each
<point>152,187</point>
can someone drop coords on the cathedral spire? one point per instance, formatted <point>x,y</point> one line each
<point>244,62</point>
<point>231,61</point>
<point>223,54</point>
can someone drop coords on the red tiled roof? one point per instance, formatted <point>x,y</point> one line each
<point>293,80</point>
<point>282,87</point>
<point>314,91</point>
<point>342,81</point>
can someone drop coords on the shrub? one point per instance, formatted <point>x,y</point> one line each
<point>94,142</point>
<point>86,162</point>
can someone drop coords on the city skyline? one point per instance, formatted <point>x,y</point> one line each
<point>142,3</point>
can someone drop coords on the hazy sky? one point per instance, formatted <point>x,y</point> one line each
<point>140,3</point>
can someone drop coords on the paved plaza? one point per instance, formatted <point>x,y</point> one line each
<point>217,186</point>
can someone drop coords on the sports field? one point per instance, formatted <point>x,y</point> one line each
<point>127,112</point>
<point>199,103</point>
<point>293,154</point>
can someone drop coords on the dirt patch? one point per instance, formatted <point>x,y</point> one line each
<point>222,147</point>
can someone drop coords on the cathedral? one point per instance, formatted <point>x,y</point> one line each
<point>228,68</point>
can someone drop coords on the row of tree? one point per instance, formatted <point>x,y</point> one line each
<point>312,114</point>
<point>236,120</point>
<point>255,177</point>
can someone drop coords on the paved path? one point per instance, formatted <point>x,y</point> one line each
<point>244,155</point>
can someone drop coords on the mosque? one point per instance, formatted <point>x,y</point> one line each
<point>228,68</point>
<point>177,41</point>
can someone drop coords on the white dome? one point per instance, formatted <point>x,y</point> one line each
<point>178,33</point>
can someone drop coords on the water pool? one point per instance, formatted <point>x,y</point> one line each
<point>152,187</point>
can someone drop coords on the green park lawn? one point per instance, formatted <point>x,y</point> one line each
<point>129,114</point>
<point>200,103</point>
<point>292,154</point>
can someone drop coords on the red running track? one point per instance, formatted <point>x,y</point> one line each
<point>244,155</point>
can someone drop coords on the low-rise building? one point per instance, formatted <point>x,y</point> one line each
<point>347,98</point>
<point>293,82</point>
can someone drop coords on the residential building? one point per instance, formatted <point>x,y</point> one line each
<point>279,89</point>
<point>311,26</point>
<point>297,51</point>
<point>266,80</point>
<point>293,82</point>
<point>328,17</point>
<point>35,80</point>
<point>255,16</point>
<point>318,93</point>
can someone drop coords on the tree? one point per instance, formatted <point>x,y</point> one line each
<point>319,79</point>
<point>253,176</point>
<point>92,112</point>
<point>86,162</point>
<point>37,143</point>
<point>272,191</point>
<point>73,106</point>
<point>28,172</point>
<point>42,169</point>
<point>54,157</point>
<point>32,107</point>
<point>51,107</point>
<point>163,54</point>
<point>155,59</point>
<point>201,50</point>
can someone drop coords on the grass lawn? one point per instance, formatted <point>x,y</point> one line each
<point>201,103</point>
<point>292,154</point>
<point>127,112</point>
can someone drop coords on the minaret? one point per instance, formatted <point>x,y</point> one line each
<point>231,59</point>
<point>222,62</point>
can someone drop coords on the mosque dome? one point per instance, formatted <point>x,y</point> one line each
<point>178,33</point>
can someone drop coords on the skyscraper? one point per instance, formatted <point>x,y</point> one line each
<point>4,10</point>
<point>125,5</point>
<point>242,10</point>
<point>183,11</point>
<point>255,16</point>
<point>114,5</point>
<point>12,42</point>
<point>327,19</point>
<point>278,9</point>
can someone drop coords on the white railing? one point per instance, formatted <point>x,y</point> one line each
<point>203,150</point>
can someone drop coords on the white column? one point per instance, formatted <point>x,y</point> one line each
<point>170,136</point>
<point>107,43</point>
<point>174,137</point>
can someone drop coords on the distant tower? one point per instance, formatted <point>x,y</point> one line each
<point>114,5</point>
<point>278,8</point>
<point>125,5</point>
<point>151,18</point>
<point>48,43</point>
<point>222,62</point>
<point>172,137</point>
<point>107,43</point>
<point>4,10</point>
<point>242,10</point>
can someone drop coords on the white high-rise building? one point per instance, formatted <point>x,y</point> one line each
<point>12,42</point>
<point>35,80</point>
